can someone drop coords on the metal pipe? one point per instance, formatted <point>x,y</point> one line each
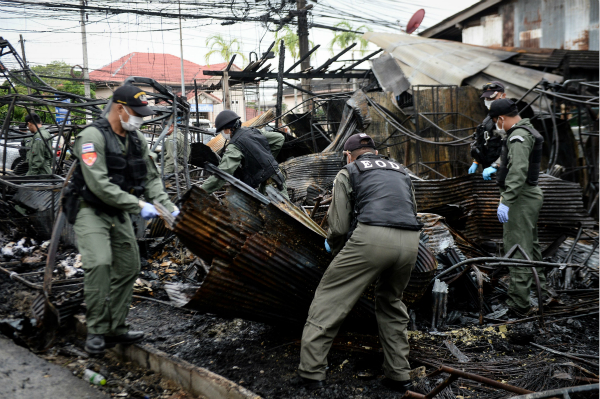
<point>5,128</point>
<point>317,204</point>
<point>441,386</point>
<point>290,69</point>
<point>174,143</point>
<point>16,277</point>
<point>197,113</point>
<point>278,110</point>
<point>483,380</point>
<point>564,354</point>
<point>561,391</point>
<point>507,262</point>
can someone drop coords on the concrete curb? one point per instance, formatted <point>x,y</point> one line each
<point>195,380</point>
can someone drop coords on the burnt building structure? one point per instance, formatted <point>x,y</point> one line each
<point>556,36</point>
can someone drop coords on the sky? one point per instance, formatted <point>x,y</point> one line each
<point>57,36</point>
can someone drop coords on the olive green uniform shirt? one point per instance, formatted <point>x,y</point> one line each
<point>520,144</point>
<point>169,157</point>
<point>233,158</point>
<point>39,157</point>
<point>97,180</point>
<point>339,215</point>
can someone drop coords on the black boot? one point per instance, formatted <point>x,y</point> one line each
<point>94,344</point>
<point>517,313</point>
<point>129,338</point>
<point>398,386</point>
<point>307,383</point>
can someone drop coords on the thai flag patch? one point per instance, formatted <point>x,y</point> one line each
<point>87,147</point>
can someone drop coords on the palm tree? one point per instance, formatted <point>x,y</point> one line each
<point>226,48</point>
<point>344,39</point>
<point>291,41</point>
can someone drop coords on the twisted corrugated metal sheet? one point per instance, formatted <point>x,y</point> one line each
<point>562,209</point>
<point>470,195</point>
<point>319,169</point>
<point>267,259</point>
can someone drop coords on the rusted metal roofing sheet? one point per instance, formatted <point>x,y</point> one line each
<point>555,58</point>
<point>432,62</point>
<point>562,209</point>
<point>267,258</point>
<point>319,169</point>
<point>478,199</point>
<point>444,61</point>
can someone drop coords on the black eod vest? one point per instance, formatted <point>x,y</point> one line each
<point>535,158</point>
<point>486,150</point>
<point>127,170</point>
<point>258,163</point>
<point>382,194</point>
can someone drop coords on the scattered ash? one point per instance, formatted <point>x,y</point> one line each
<point>259,357</point>
<point>264,358</point>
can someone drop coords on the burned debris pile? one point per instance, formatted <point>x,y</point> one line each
<point>258,258</point>
<point>266,259</point>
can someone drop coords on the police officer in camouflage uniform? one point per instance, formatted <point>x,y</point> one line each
<point>249,156</point>
<point>170,151</point>
<point>487,144</point>
<point>39,157</point>
<point>374,235</point>
<point>114,171</point>
<point>520,197</point>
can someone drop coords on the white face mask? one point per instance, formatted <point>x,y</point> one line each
<point>133,123</point>
<point>500,129</point>
<point>227,136</point>
<point>488,103</point>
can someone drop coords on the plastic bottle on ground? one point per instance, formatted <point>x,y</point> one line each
<point>93,378</point>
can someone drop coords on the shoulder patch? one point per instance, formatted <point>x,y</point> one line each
<point>519,138</point>
<point>38,139</point>
<point>89,158</point>
<point>87,147</point>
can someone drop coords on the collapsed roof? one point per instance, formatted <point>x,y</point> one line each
<point>424,61</point>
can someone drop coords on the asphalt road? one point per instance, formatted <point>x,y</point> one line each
<point>23,375</point>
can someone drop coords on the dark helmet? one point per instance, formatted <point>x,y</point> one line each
<point>226,119</point>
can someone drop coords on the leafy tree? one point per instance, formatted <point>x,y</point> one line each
<point>344,39</point>
<point>51,74</point>
<point>225,48</point>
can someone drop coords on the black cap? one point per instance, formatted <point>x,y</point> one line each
<point>503,106</point>
<point>134,98</point>
<point>33,118</point>
<point>490,88</point>
<point>354,142</point>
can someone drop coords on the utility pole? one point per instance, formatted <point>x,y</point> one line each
<point>226,97</point>
<point>86,71</point>
<point>24,59</point>
<point>303,44</point>
<point>181,50</point>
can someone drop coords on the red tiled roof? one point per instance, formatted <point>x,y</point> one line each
<point>164,68</point>
<point>191,96</point>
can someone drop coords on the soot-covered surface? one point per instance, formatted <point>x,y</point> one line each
<point>264,358</point>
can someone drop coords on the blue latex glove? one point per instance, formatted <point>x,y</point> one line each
<point>175,213</point>
<point>327,247</point>
<point>487,173</point>
<point>502,213</point>
<point>473,168</point>
<point>149,211</point>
